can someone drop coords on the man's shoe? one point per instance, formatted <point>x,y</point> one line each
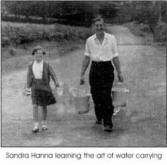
<point>107,128</point>
<point>98,121</point>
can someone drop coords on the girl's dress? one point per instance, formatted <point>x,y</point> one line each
<point>41,92</point>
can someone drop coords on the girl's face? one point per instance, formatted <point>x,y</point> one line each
<point>38,56</point>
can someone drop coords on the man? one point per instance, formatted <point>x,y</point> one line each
<point>101,49</point>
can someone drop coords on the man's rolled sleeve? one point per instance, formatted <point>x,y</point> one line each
<point>115,47</point>
<point>87,49</point>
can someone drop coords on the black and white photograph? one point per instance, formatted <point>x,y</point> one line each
<point>83,73</point>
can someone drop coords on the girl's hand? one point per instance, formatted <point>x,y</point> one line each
<point>28,91</point>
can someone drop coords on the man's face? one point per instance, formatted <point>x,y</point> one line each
<point>99,26</point>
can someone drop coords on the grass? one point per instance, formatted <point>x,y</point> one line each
<point>143,30</point>
<point>22,57</point>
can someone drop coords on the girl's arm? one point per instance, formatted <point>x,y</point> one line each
<point>53,76</point>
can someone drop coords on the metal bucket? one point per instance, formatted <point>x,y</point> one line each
<point>120,97</point>
<point>81,100</point>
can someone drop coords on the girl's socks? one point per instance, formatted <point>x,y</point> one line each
<point>44,125</point>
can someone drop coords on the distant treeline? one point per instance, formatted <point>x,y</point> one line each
<point>81,13</point>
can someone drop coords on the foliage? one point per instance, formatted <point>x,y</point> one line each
<point>80,13</point>
<point>161,32</point>
<point>19,33</point>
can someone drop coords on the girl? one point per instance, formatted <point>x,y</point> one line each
<point>38,79</point>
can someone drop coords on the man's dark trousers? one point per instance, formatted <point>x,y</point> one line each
<point>101,79</point>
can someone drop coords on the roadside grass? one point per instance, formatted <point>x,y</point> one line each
<point>141,30</point>
<point>21,33</point>
<point>18,40</point>
<point>22,57</point>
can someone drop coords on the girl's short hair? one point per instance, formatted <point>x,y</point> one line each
<point>36,49</point>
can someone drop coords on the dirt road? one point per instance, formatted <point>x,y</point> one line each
<point>143,123</point>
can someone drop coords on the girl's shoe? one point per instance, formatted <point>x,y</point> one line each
<point>36,127</point>
<point>44,125</point>
<point>44,128</point>
<point>35,130</point>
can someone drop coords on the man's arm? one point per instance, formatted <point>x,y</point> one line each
<point>116,63</point>
<point>29,77</point>
<point>115,60</point>
<point>85,65</point>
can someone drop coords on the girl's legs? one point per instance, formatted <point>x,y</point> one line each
<point>35,118</point>
<point>44,116</point>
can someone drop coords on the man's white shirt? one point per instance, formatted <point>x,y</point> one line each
<point>101,52</point>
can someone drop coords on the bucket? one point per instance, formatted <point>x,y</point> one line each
<point>81,100</point>
<point>120,97</point>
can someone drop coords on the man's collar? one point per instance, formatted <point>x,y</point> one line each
<point>105,36</point>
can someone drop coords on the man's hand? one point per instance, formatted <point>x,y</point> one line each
<point>82,80</point>
<point>85,64</point>
<point>57,85</point>
<point>120,77</point>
